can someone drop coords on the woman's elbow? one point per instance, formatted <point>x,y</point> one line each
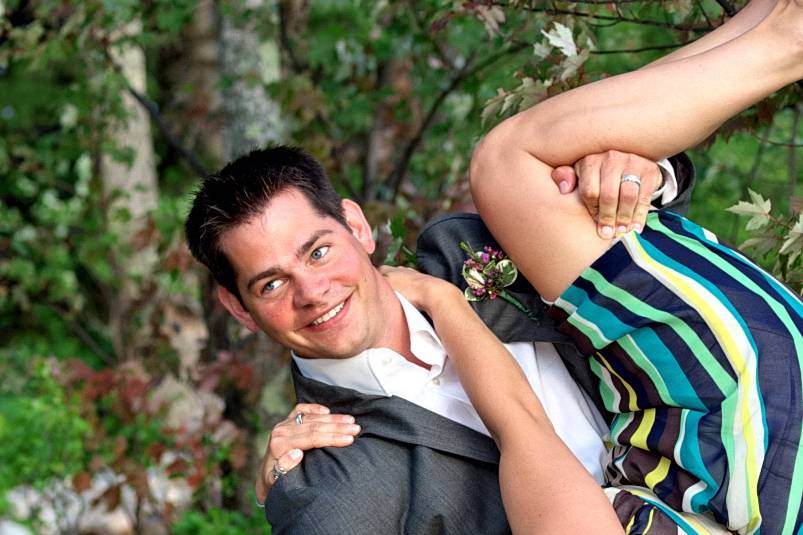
<point>487,161</point>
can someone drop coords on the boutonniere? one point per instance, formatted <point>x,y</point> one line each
<point>488,272</point>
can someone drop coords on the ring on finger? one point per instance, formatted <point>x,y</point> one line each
<point>277,471</point>
<point>635,179</point>
<point>299,418</point>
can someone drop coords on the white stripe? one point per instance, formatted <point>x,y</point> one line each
<point>744,360</point>
<point>691,492</point>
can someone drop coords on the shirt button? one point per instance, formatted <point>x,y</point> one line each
<point>386,360</point>
<point>436,382</point>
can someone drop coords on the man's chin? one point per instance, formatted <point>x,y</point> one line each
<point>339,351</point>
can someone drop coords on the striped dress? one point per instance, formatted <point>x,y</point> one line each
<point>699,356</point>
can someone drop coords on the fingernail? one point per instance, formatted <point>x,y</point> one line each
<point>348,438</point>
<point>563,187</point>
<point>621,229</point>
<point>295,454</point>
<point>348,419</point>
<point>636,227</point>
<point>325,410</point>
<point>606,231</point>
<point>354,428</point>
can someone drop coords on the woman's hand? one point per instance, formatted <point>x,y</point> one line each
<point>316,428</point>
<point>423,291</point>
<point>617,206</point>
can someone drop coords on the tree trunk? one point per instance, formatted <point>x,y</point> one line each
<point>130,191</point>
<point>252,119</point>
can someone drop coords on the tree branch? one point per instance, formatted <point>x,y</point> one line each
<point>153,111</point>
<point>642,49</point>
<point>752,175</point>
<point>727,7</point>
<point>396,176</point>
<point>156,116</point>
<point>82,334</point>
<point>793,156</point>
<point>585,14</point>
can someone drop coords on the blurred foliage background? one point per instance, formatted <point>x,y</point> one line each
<point>129,401</point>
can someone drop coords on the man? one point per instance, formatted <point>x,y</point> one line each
<point>292,260</point>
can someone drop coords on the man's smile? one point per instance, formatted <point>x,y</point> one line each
<point>328,319</point>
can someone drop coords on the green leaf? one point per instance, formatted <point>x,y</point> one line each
<point>793,241</point>
<point>508,271</point>
<point>493,106</point>
<point>758,207</point>
<point>561,37</point>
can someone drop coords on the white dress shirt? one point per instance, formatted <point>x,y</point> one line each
<point>383,372</point>
<point>669,190</point>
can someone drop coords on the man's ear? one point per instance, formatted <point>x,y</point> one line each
<point>232,304</point>
<point>359,226</point>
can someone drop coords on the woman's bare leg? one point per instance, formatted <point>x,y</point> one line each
<point>743,21</point>
<point>675,105</point>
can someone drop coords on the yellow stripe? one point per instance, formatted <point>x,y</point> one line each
<point>639,438</point>
<point>687,517</point>
<point>632,406</point>
<point>747,379</point>
<point>658,474</point>
<point>649,521</point>
<point>630,524</point>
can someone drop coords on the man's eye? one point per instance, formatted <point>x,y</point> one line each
<point>271,286</point>
<point>320,252</point>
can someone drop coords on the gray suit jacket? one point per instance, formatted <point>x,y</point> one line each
<point>412,471</point>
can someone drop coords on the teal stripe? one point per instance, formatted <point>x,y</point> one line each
<point>691,459</point>
<point>696,346</point>
<point>659,355</point>
<point>694,248</point>
<point>574,295</point>
<point>731,405</point>
<point>793,302</point>
<point>676,518</point>
<point>783,293</point>
<point>637,355</point>
<point>613,328</point>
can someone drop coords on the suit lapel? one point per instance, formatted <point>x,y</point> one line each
<point>399,420</point>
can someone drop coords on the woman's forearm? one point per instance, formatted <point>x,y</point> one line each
<point>540,478</point>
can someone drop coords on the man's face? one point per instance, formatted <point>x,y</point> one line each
<point>306,280</point>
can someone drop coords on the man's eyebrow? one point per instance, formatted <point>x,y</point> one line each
<point>301,251</point>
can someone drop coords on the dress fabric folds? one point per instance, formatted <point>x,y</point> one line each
<point>699,356</point>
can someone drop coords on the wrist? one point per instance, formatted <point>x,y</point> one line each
<point>444,296</point>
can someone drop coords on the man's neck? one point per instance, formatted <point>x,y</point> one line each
<point>399,331</point>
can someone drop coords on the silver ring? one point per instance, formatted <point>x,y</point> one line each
<point>635,179</point>
<point>277,471</point>
<point>299,418</point>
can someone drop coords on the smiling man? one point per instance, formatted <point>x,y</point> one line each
<point>292,259</point>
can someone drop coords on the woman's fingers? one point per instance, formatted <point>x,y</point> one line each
<point>272,469</point>
<point>307,426</point>
<point>312,433</point>
<point>308,408</point>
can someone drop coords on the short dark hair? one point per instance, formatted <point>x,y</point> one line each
<point>241,190</point>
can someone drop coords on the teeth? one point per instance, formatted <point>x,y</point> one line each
<point>329,315</point>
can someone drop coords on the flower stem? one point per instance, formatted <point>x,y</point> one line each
<point>516,303</point>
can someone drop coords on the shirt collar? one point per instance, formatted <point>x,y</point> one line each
<point>355,372</point>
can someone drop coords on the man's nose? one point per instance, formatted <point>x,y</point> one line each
<point>311,289</point>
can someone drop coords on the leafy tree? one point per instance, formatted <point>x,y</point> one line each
<point>390,96</point>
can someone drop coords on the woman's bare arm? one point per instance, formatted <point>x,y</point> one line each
<point>542,482</point>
